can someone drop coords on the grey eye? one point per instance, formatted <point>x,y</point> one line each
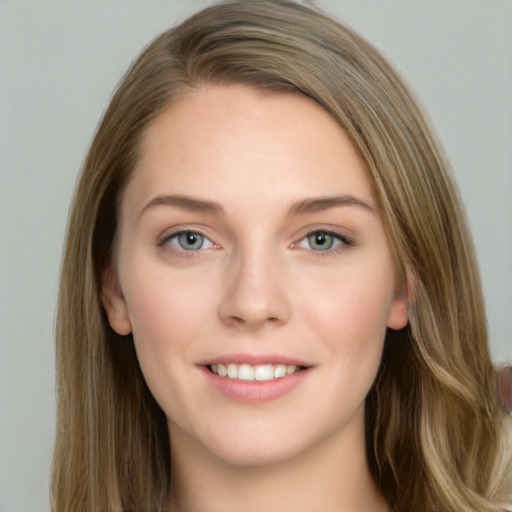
<point>320,241</point>
<point>189,241</point>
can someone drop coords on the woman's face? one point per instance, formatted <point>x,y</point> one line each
<point>249,244</point>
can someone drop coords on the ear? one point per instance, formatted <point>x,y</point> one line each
<point>114,303</point>
<point>398,316</point>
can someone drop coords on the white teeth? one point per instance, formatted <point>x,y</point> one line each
<point>264,372</point>
<point>291,369</point>
<point>280,371</point>
<point>232,371</point>
<point>261,372</point>
<point>245,372</point>
<point>221,370</point>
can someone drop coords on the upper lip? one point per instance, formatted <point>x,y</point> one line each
<point>255,359</point>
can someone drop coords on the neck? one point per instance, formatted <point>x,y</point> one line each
<point>332,476</point>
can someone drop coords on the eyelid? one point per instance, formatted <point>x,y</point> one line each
<point>164,238</point>
<point>346,241</point>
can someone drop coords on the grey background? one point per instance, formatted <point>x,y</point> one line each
<point>59,63</point>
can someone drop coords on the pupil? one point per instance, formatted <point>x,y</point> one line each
<point>320,240</point>
<point>190,241</point>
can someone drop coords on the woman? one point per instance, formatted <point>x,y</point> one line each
<point>269,297</point>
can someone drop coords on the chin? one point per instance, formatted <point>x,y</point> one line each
<point>267,443</point>
<point>251,454</point>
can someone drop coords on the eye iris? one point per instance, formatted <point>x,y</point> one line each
<point>320,241</point>
<point>190,241</point>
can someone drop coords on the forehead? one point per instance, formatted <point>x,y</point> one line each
<point>231,139</point>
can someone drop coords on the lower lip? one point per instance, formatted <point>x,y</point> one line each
<point>255,391</point>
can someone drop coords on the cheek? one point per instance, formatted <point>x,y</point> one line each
<point>352,308</point>
<point>349,318</point>
<point>165,312</point>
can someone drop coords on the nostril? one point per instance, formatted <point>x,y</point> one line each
<point>236,320</point>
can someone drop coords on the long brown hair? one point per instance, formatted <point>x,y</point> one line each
<point>436,437</point>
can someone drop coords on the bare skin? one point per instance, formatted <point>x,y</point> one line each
<point>249,236</point>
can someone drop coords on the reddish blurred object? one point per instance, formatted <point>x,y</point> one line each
<point>505,388</point>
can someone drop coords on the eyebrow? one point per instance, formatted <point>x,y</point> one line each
<point>318,204</point>
<point>187,203</point>
<point>309,205</point>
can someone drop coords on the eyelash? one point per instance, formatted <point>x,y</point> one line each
<point>345,241</point>
<point>168,236</point>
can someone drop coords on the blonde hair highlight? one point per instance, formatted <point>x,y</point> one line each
<point>436,438</point>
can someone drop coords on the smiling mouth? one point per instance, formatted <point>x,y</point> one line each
<point>247,372</point>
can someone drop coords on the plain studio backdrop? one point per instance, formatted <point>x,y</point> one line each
<point>59,63</point>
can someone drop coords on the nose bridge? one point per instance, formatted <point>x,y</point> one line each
<point>254,293</point>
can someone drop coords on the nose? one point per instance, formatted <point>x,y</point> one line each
<point>255,293</point>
